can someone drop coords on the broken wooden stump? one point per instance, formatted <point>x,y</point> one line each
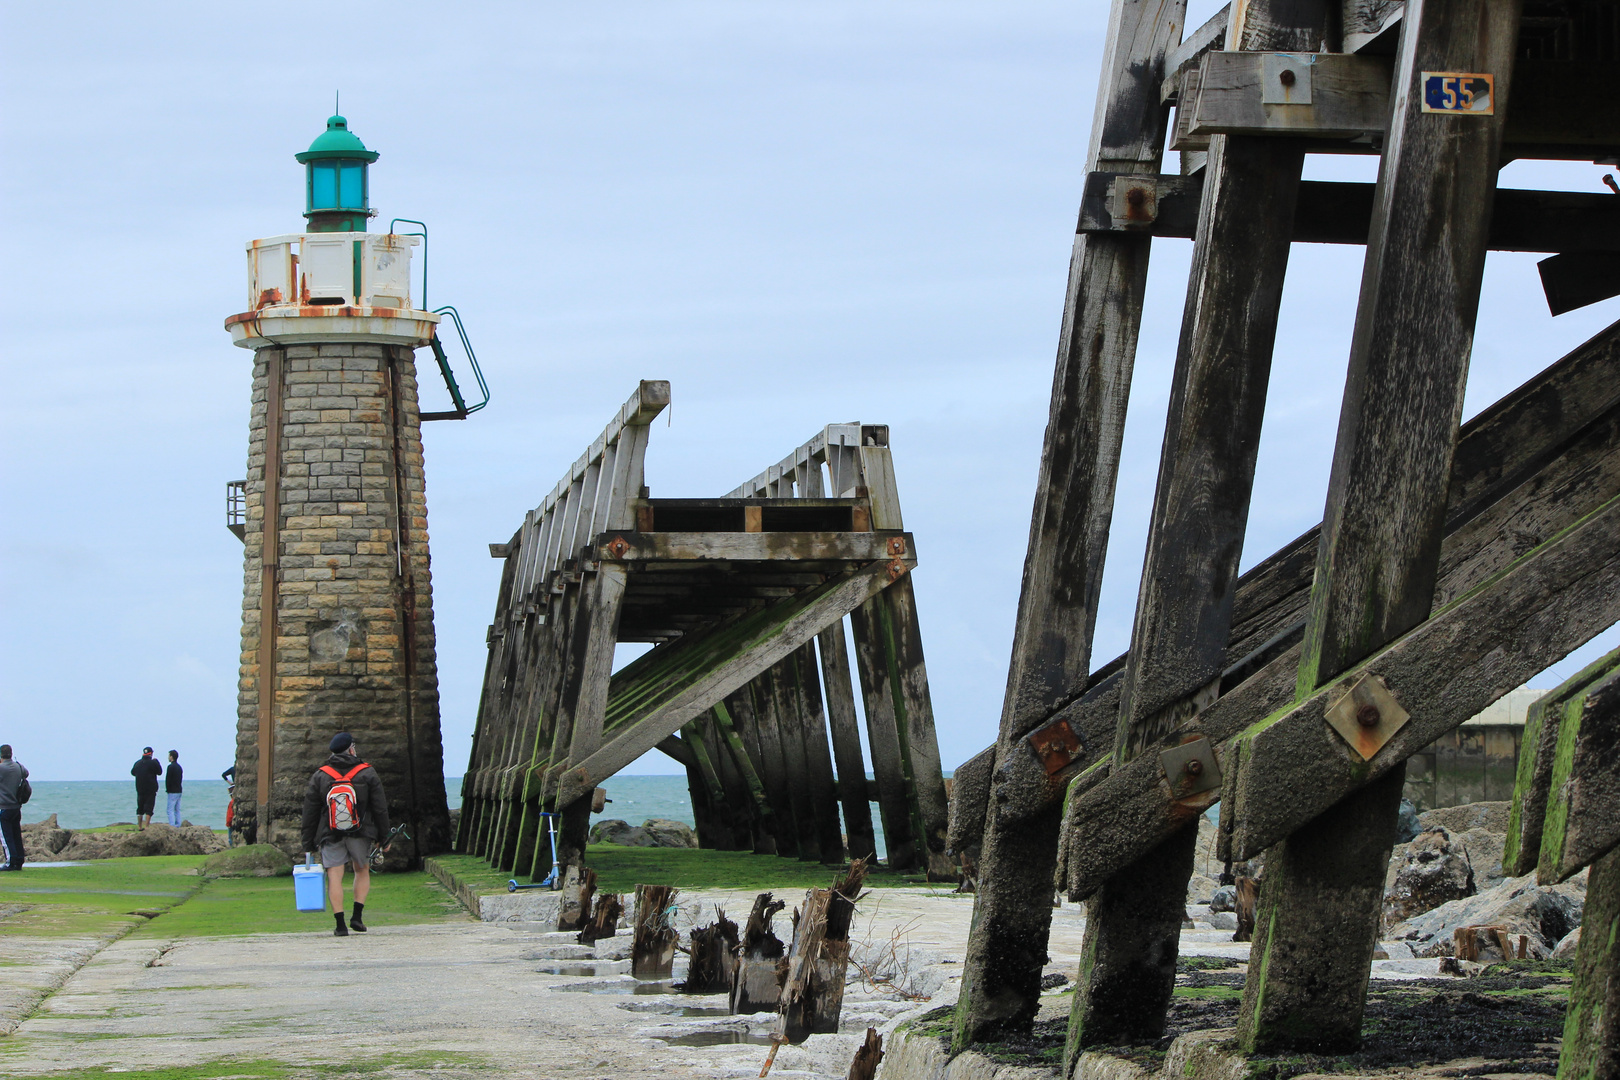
<point>713,957</point>
<point>1483,944</point>
<point>652,953</point>
<point>756,984</point>
<point>813,996</point>
<point>604,920</point>
<point>1247,893</point>
<point>867,1057</point>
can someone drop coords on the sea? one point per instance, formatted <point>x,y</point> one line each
<point>89,804</point>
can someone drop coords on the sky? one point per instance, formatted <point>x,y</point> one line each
<point>797,213</point>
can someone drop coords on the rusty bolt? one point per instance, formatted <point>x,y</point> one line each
<point>897,545</point>
<point>1367,716</point>
<point>1135,197</point>
<point>1194,767</point>
<point>1286,77</point>
<point>617,547</point>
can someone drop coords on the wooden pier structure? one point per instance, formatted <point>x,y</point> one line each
<point>1454,561</point>
<point>743,599</point>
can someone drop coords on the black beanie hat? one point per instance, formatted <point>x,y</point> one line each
<point>341,742</point>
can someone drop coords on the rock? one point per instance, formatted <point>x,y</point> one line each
<point>1491,816</point>
<point>1224,899</point>
<point>1545,915</point>
<point>1485,856</point>
<point>156,840</point>
<point>44,838</point>
<point>1565,949</point>
<point>1201,888</point>
<point>249,860</point>
<point>616,831</point>
<point>1222,920</point>
<point>1434,870</point>
<point>667,833</point>
<point>1407,826</point>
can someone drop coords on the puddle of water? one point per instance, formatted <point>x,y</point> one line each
<point>594,988</point>
<point>655,986</point>
<point>718,1038</point>
<point>660,1008</point>
<point>567,969</point>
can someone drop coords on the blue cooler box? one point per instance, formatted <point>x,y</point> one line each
<point>309,888</point>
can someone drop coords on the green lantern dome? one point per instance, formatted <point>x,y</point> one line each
<point>337,141</point>
<point>337,190</point>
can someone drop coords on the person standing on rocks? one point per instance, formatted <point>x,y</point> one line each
<point>12,775</point>
<point>171,785</point>
<point>146,771</point>
<point>345,811</point>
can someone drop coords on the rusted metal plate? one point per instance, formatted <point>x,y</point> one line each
<point>1056,744</point>
<point>1367,716</point>
<point>1133,201</point>
<point>1191,768</point>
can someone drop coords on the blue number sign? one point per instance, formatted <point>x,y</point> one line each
<point>1458,92</point>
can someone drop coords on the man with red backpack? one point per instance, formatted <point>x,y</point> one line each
<point>345,812</point>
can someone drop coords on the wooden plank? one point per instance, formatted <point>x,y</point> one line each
<point>758,643</point>
<point>795,743</point>
<point>752,547</point>
<point>823,786</point>
<point>844,724</point>
<point>1348,95</point>
<point>1551,602</point>
<point>883,738</point>
<point>1063,563</point>
<point>1521,847</point>
<point>766,729</point>
<point>1583,816</point>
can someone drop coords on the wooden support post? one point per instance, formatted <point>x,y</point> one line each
<point>846,741</point>
<point>1074,501</point>
<point>794,740</point>
<point>743,762</point>
<point>813,996</point>
<point>652,953</point>
<point>582,702</point>
<point>883,737</point>
<point>1200,515</point>
<point>713,957</point>
<point>1583,819</point>
<point>761,961</point>
<point>1380,551</point>
<point>823,787</point>
<point>703,778</point>
<point>767,733</point>
<point>1592,1024</point>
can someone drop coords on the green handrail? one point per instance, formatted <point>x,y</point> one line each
<point>423,235</point>
<point>462,409</point>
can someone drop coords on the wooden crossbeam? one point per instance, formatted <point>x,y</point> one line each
<point>1339,212</point>
<point>711,672</point>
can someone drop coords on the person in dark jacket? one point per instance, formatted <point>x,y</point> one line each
<point>12,774</point>
<point>172,777</point>
<point>351,847</point>
<point>146,772</point>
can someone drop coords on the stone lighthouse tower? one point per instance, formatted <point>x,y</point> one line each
<point>337,614</point>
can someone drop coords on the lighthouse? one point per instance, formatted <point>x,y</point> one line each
<point>337,612</point>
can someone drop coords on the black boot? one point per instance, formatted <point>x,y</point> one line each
<point>341,931</point>
<point>355,923</point>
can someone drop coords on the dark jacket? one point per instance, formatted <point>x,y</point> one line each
<point>368,793</point>
<point>146,771</point>
<point>12,774</point>
<point>171,778</point>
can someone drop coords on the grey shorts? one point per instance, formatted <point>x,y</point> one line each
<point>354,850</point>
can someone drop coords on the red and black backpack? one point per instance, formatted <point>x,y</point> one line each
<point>342,804</point>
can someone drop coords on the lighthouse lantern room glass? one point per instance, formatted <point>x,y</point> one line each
<point>337,196</point>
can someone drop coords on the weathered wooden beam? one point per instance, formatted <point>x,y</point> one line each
<point>753,547</point>
<point>1533,785</point>
<point>836,680</point>
<point>762,825</point>
<point>1063,565</point>
<point>1470,653</point>
<point>813,724</point>
<point>1592,1023</point>
<point>1379,556</point>
<point>749,647</point>
<point>1339,212</point>
<point>883,738</point>
<point>1583,816</point>
<point>1324,95</point>
<point>790,728</point>
<point>1579,278</point>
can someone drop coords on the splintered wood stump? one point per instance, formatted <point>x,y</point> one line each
<point>813,996</point>
<point>604,920</point>
<point>714,957</point>
<point>756,982</point>
<point>1247,893</point>
<point>1483,944</point>
<point>864,1067</point>
<point>652,954</point>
